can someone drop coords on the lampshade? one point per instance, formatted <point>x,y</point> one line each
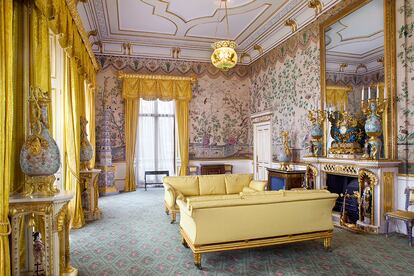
<point>224,56</point>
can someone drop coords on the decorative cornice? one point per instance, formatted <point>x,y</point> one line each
<point>170,67</point>
<point>72,6</point>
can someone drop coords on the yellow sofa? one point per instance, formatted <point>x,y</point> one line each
<point>202,187</point>
<point>255,220</point>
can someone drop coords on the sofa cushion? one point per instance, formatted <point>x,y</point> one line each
<point>212,184</point>
<point>236,182</point>
<point>187,185</point>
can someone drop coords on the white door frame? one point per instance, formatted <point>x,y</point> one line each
<point>259,120</point>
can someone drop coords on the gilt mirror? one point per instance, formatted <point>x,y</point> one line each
<point>358,80</point>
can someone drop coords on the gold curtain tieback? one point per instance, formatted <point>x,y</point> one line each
<point>8,227</point>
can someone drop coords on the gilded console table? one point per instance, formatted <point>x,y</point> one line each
<point>52,220</point>
<point>90,194</point>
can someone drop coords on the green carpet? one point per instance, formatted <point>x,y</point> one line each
<point>135,237</point>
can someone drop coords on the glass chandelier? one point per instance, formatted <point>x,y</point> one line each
<point>224,56</point>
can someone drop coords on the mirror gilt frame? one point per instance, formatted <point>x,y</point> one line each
<point>390,74</point>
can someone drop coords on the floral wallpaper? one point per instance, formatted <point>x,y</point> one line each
<point>220,119</point>
<point>405,84</point>
<point>289,87</point>
<point>219,115</point>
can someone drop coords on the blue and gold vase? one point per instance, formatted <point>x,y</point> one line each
<point>373,128</point>
<point>316,118</point>
<point>39,156</point>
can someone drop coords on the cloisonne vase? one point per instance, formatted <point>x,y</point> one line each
<point>316,118</point>
<point>86,150</point>
<point>39,156</point>
<point>373,128</point>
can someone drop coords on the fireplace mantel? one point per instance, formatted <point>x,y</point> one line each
<point>382,172</point>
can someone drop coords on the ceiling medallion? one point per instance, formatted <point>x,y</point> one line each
<point>224,56</point>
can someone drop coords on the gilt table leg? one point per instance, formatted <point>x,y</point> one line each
<point>173,217</point>
<point>197,260</point>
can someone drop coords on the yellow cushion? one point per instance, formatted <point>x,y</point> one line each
<point>236,182</point>
<point>187,185</point>
<point>212,184</point>
<point>258,185</point>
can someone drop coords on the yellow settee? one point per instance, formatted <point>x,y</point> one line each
<point>202,187</point>
<point>255,219</point>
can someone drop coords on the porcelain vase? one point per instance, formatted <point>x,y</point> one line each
<point>40,154</point>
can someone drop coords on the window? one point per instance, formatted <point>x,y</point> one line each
<point>156,139</point>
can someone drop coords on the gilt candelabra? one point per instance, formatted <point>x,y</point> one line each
<point>373,107</point>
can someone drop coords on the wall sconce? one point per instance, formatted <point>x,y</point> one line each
<point>317,5</point>
<point>292,24</point>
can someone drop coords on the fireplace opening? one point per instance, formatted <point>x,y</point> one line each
<point>345,185</point>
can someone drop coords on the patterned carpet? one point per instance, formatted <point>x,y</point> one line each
<point>135,238</point>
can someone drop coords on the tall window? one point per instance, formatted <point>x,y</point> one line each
<point>156,139</point>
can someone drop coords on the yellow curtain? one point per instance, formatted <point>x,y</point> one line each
<point>337,96</point>
<point>40,54</point>
<point>72,95</point>
<point>6,127</point>
<point>21,99</point>
<point>152,87</point>
<point>182,113</point>
<point>131,125</point>
<point>90,116</point>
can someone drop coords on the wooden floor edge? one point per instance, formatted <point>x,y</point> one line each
<point>256,242</point>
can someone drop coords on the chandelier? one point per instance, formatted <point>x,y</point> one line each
<point>224,56</point>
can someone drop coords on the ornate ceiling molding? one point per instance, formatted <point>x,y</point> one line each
<point>266,28</point>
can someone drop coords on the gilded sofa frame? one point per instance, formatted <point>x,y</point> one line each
<point>262,242</point>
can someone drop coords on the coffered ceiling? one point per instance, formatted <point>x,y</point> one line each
<point>185,29</point>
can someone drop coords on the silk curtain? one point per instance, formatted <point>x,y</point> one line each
<point>152,87</point>
<point>337,96</point>
<point>72,97</point>
<point>182,113</point>
<point>6,127</point>
<point>90,116</point>
<point>131,126</point>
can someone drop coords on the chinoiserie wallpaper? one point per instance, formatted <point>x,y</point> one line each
<point>286,81</point>
<point>219,112</point>
<point>405,84</point>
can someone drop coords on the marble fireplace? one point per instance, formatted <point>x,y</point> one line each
<point>368,186</point>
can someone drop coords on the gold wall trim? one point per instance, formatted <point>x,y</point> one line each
<point>388,192</point>
<point>122,75</point>
<point>72,6</point>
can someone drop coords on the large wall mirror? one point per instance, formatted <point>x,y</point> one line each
<point>357,73</point>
